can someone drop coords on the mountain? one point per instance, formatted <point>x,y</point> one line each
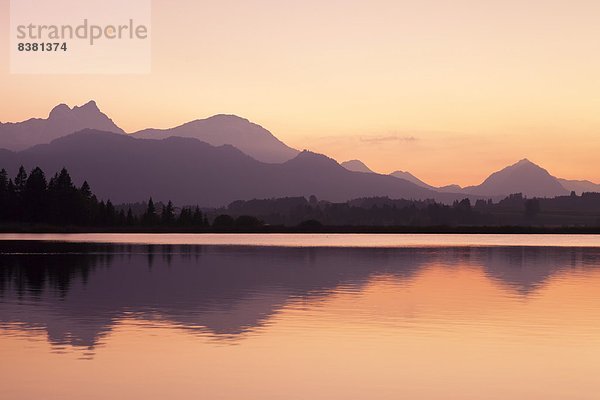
<point>219,130</point>
<point>411,178</point>
<point>356,166</point>
<point>450,189</point>
<point>188,171</point>
<point>523,177</point>
<point>61,121</point>
<point>579,186</point>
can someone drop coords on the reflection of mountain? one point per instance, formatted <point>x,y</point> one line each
<point>80,290</point>
<point>526,269</point>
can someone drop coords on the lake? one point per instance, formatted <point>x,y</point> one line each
<point>105,316</point>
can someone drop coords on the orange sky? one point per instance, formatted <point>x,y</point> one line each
<point>450,90</point>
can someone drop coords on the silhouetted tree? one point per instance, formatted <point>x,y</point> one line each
<point>150,217</point>
<point>223,221</point>
<point>130,218</point>
<point>65,199</point>
<point>168,213</point>
<point>20,180</point>
<point>247,221</point>
<point>85,190</point>
<point>34,196</point>
<point>310,224</point>
<point>197,219</point>
<point>4,195</point>
<point>110,216</point>
<point>532,208</point>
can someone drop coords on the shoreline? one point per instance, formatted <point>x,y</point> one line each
<point>508,230</point>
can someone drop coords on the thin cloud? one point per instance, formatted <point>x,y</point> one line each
<point>387,139</point>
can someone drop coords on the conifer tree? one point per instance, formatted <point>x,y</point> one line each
<point>34,196</point>
<point>20,180</point>
<point>168,213</point>
<point>150,217</point>
<point>130,218</point>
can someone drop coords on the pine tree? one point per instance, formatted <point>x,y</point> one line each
<point>4,195</point>
<point>121,218</point>
<point>110,213</point>
<point>168,213</point>
<point>197,217</point>
<point>85,190</point>
<point>34,196</point>
<point>130,218</point>
<point>3,180</point>
<point>150,217</point>
<point>20,180</point>
<point>65,199</point>
<point>185,217</point>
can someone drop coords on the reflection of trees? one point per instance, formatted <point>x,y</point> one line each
<point>29,267</point>
<point>224,290</point>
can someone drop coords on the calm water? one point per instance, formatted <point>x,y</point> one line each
<point>380,317</point>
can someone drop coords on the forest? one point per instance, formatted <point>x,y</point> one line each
<point>31,202</point>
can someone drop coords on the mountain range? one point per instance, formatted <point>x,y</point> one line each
<point>188,171</point>
<point>225,158</point>
<point>523,177</point>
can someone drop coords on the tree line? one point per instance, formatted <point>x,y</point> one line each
<point>32,199</point>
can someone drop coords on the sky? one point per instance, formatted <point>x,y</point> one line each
<point>448,90</point>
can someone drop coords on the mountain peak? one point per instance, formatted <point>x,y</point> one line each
<point>312,159</point>
<point>221,129</point>
<point>407,176</point>
<point>524,161</point>
<point>58,110</point>
<point>90,106</point>
<point>356,166</point>
<point>522,177</point>
<point>62,120</point>
<point>227,117</point>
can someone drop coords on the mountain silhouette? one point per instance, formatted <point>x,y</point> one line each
<point>579,186</point>
<point>188,171</point>
<point>523,177</point>
<point>61,121</point>
<point>256,142</point>
<point>450,189</point>
<point>411,178</point>
<point>219,130</point>
<point>356,166</point>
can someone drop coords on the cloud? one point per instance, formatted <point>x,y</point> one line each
<point>387,139</point>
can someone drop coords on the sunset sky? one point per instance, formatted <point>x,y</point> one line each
<point>449,90</point>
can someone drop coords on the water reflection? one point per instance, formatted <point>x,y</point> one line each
<point>78,292</point>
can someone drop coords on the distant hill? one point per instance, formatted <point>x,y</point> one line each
<point>450,189</point>
<point>579,186</point>
<point>356,166</point>
<point>411,178</point>
<point>189,171</point>
<point>61,121</point>
<point>219,130</point>
<point>523,177</point>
